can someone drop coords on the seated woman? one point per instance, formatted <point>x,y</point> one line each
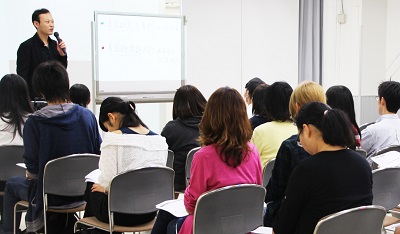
<point>334,178</point>
<point>14,110</point>
<point>226,158</point>
<point>182,132</point>
<point>340,97</point>
<point>290,154</point>
<point>79,94</point>
<point>127,144</point>
<point>269,136</point>
<point>259,109</point>
<point>56,130</point>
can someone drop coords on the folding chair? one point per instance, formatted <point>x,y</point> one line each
<point>234,209</point>
<point>386,191</point>
<point>364,126</point>
<point>170,159</point>
<point>188,165</point>
<point>9,157</point>
<point>362,152</point>
<point>359,220</point>
<point>267,171</point>
<point>388,149</point>
<point>64,176</point>
<point>134,192</point>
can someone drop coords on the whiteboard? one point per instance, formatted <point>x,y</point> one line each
<point>138,57</point>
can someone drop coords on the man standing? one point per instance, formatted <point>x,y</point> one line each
<point>39,48</point>
<point>386,130</point>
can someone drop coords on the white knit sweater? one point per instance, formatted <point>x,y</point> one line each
<point>123,152</point>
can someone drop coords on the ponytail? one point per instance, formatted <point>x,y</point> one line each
<point>334,124</point>
<point>336,128</point>
<point>126,108</point>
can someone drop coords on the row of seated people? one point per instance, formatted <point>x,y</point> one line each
<point>220,138</point>
<point>268,135</point>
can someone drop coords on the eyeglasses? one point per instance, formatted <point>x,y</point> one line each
<point>298,139</point>
<point>298,135</point>
<point>377,98</point>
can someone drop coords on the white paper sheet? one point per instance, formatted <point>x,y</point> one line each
<point>389,159</point>
<point>175,207</point>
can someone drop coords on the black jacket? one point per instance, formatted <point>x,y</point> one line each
<point>181,137</point>
<point>31,53</point>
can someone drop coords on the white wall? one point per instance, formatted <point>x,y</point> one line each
<point>363,52</point>
<point>231,41</point>
<point>341,45</point>
<point>373,45</point>
<point>4,60</point>
<point>393,40</point>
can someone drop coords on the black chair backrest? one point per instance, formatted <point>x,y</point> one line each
<point>364,126</point>
<point>359,220</point>
<point>170,159</point>
<point>388,149</point>
<point>9,157</point>
<point>234,209</point>
<point>65,176</point>
<point>139,191</point>
<point>362,152</point>
<point>386,187</point>
<point>267,171</point>
<point>188,165</point>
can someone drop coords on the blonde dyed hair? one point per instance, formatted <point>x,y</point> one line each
<point>305,92</point>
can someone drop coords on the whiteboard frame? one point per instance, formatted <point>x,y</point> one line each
<point>137,97</point>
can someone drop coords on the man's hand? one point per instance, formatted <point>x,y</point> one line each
<point>61,46</point>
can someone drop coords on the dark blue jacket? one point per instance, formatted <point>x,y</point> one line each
<point>50,133</point>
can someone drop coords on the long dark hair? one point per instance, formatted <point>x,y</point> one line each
<point>188,102</point>
<point>225,124</point>
<point>340,97</point>
<point>15,102</point>
<point>126,108</point>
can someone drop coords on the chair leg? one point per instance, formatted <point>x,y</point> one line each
<point>15,218</point>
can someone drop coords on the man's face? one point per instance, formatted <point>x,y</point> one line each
<point>45,25</point>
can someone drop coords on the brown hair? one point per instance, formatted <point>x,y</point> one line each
<point>225,124</point>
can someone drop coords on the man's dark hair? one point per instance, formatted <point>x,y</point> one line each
<point>50,79</point>
<point>252,85</point>
<point>390,91</point>
<point>36,13</point>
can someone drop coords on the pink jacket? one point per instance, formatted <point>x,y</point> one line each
<point>209,172</point>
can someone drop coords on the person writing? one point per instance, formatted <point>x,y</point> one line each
<point>128,145</point>
<point>39,48</point>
